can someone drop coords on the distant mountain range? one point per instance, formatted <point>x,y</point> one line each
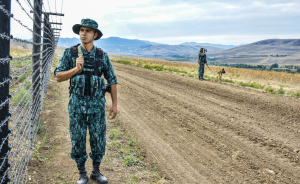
<point>265,52</point>
<point>210,44</point>
<point>135,47</point>
<point>263,47</point>
<point>110,42</point>
<point>254,53</point>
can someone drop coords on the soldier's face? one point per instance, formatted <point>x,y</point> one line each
<point>87,34</point>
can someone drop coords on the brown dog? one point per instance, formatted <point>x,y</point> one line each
<point>220,73</point>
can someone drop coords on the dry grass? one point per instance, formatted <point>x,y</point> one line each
<point>277,80</point>
<point>16,51</point>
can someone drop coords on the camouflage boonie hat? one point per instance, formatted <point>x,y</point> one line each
<point>88,23</point>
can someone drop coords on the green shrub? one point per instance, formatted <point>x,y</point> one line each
<point>271,90</point>
<point>252,85</point>
<point>228,80</point>
<point>128,150</point>
<point>171,69</point>
<point>132,141</point>
<point>292,93</point>
<point>297,94</point>
<point>114,134</point>
<point>114,144</point>
<point>130,160</point>
<point>126,62</point>
<point>139,64</point>
<point>159,68</point>
<point>257,85</point>
<point>281,91</point>
<point>148,67</point>
<point>40,127</point>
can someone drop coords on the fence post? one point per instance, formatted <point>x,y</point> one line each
<point>45,54</point>
<point>36,80</point>
<point>4,91</point>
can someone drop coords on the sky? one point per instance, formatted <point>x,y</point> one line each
<point>227,22</point>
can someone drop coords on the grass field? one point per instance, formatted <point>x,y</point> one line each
<point>281,83</point>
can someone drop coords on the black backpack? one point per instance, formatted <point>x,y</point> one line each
<point>96,64</point>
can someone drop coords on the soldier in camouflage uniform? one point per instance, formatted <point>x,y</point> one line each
<point>87,97</point>
<point>202,61</point>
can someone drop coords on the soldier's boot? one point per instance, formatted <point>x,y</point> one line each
<point>96,175</point>
<point>203,78</point>
<point>200,78</point>
<point>83,177</point>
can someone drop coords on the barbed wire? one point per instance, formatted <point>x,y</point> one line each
<point>28,121</point>
<point>39,17</point>
<point>29,5</point>
<point>6,101</point>
<point>21,87</point>
<point>26,81</point>
<point>4,121</point>
<point>29,88</point>
<point>23,129</point>
<point>26,70</point>
<point>5,60</point>
<point>6,12</point>
<point>4,36</point>
<point>2,164</point>
<point>24,96</point>
<point>6,80</point>
<point>8,58</point>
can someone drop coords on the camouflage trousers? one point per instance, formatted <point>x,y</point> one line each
<point>97,131</point>
<point>201,70</point>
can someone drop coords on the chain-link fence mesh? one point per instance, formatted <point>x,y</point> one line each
<point>27,83</point>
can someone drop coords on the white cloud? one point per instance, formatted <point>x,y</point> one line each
<point>176,21</point>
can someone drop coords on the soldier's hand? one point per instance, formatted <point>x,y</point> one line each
<point>79,63</point>
<point>113,112</point>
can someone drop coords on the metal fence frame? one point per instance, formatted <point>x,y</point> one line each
<point>18,124</point>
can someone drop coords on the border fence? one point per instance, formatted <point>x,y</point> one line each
<point>23,83</point>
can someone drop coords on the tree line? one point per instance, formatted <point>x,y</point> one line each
<point>273,67</point>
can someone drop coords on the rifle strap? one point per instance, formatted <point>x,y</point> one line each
<point>200,60</point>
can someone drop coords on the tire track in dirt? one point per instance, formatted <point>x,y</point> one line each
<point>254,138</point>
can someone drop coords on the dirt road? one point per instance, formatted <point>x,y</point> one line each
<point>208,132</point>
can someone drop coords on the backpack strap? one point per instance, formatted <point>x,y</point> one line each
<point>74,54</point>
<point>99,54</point>
<point>74,51</point>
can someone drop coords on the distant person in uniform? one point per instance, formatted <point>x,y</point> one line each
<point>202,61</point>
<point>84,64</point>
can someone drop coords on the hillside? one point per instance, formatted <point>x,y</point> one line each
<point>165,50</point>
<point>264,47</point>
<point>107,43</point>
<point>210,44</point>
<point>135,47</point>
<point>255,53</point>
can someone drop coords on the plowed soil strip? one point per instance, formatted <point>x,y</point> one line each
<point>207,132</point>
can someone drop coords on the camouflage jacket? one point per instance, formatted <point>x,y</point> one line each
<point>81,103</point>
<point>203,58</point>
